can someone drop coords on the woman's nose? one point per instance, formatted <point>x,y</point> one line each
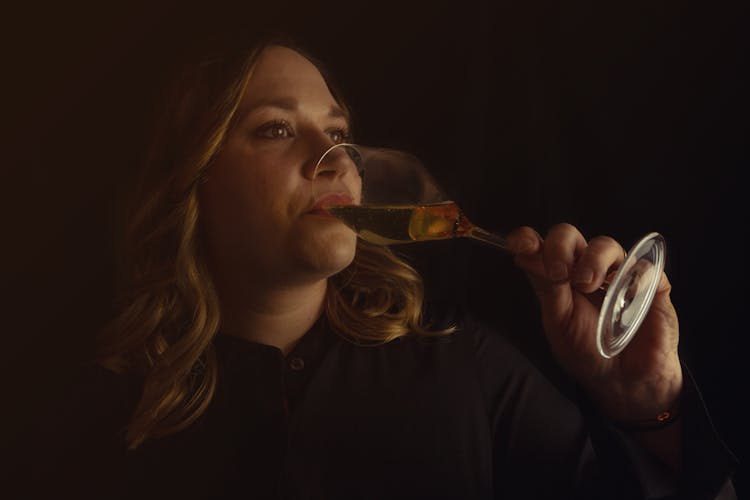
<point>334,160</point>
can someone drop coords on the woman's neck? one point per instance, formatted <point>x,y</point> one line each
<point>277,317</point>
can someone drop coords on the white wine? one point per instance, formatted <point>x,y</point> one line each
<point>387,225</point>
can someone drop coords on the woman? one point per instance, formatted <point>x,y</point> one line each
<point>262,350</point>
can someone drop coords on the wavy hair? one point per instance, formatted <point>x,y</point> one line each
<point>168,313</point>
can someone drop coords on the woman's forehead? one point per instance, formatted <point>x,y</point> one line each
<point>282,73</point>
<point>285,79</point>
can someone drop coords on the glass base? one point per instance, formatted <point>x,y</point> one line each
<point>630,294</point>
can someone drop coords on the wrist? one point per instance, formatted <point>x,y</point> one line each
<point>634,401</point>
<point>658,422</point>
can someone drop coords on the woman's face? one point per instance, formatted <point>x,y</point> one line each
<point>257,199</point>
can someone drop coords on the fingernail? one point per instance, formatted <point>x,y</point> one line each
<point>584,276</point>
<point>558,271</point>
<point>525,245</point>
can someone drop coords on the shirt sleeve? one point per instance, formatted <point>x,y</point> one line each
<point>549,445</point>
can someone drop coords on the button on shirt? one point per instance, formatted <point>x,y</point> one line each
<point>296,364</point>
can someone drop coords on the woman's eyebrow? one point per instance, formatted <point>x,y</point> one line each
<point>289,104</point>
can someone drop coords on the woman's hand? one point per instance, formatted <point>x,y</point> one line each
<point>566,272</point>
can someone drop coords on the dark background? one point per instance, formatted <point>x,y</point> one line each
<point>620,119</point>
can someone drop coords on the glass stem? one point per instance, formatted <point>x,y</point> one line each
<point>480,234</point>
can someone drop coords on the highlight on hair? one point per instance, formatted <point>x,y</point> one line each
<point>168,312</point>
<point>378,298</point>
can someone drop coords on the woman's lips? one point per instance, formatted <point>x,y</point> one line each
<point>329,200</point>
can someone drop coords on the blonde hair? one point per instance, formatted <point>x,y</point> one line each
<point>167,317</point>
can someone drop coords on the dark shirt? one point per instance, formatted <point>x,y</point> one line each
<point>457,417</point>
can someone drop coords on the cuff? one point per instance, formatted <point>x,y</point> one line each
<point>708,463</point>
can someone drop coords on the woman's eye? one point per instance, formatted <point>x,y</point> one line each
<point>275,130</point>
<point>338,136</point>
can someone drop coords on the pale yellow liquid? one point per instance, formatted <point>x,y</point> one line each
<point>387,225</point>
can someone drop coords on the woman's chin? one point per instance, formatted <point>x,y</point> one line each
<point>328,252</point>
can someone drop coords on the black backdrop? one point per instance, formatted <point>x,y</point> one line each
<point>618,119</point>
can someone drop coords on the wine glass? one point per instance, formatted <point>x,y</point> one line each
<point>401,202</point>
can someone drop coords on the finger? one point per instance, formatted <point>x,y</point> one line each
<point>523,241</point>
<point>663,301</point>
<point>525,244</point>
<point>563,244</point>
<point>665,286</point>
<point>661,326</point>
<point>562,248</point>
<point>601,255</point>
